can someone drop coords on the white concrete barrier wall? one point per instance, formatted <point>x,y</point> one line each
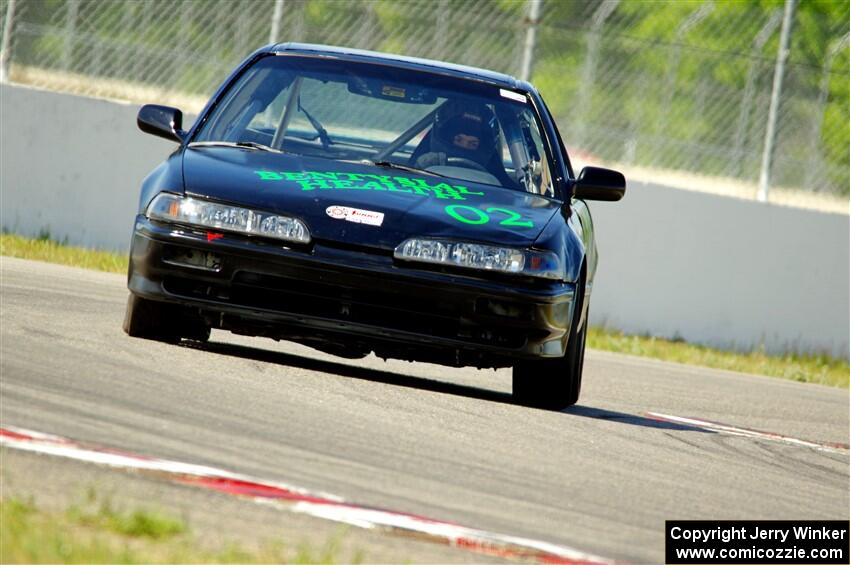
<point>722,271</point>
<point>673,263</point>
<point>71,166</point>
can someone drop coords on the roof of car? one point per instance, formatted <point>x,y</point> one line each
<point>499,79</point>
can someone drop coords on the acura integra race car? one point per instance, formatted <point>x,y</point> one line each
<point>358,202</point>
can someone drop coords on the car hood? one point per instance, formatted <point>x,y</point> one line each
<point>322,192</point>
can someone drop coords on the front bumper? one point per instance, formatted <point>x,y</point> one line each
<point>341,295</point>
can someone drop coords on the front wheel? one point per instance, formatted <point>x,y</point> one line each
<point>554,383</point>
<point>160,321</point>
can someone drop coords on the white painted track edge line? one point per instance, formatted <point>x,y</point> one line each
<point>327,507</point>
<point>746,432</point>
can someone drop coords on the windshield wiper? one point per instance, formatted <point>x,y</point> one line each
<point>255,145</point>
<point>240,144</point>
<point>409,169</point>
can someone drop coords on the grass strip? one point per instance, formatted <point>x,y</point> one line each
<point>105,535</point>
<point>45,249</point>
<point>820,369</point>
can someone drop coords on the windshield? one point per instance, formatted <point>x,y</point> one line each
<point>385,115</point>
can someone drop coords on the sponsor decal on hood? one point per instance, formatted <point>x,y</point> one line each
<point>355,215</point>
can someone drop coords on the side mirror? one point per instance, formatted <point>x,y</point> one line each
<point>595,183</point>
<point>162,121</point>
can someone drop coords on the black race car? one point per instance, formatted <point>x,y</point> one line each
<point>358,202</point>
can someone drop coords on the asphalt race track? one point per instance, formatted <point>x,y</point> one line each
<point>600,477</point>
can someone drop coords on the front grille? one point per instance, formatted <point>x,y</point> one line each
<point>385,308</point>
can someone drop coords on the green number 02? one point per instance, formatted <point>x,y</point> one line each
<point>479,218</point>
<point>512,219</point>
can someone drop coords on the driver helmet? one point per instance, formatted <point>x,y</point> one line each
<point>465,129</point>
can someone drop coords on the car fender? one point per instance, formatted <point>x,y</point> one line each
<point>167,176</point>
<point>563,236</point>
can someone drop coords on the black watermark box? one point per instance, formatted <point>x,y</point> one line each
<point>743,542</point>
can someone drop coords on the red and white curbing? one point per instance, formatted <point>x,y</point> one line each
<point>299,500</point>
<point>833,447</point>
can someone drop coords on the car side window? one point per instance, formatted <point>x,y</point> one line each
<point>528,162</point>
<point>541,175</point>
<point>238,107</point>
<point>563,190</point>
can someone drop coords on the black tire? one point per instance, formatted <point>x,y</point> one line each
<point>555,383</point>
<point>159,321</point>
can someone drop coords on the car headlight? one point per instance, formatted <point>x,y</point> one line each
<point>184,210</point>
<point>526,262</point>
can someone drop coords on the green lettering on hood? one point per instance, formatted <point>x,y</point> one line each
<point>337,180</point>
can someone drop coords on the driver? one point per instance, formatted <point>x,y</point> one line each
<point>464,131</point>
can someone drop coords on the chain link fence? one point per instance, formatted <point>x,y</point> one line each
<point>665,85</point>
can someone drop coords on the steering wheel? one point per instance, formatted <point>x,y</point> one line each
<point>467,163</point>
